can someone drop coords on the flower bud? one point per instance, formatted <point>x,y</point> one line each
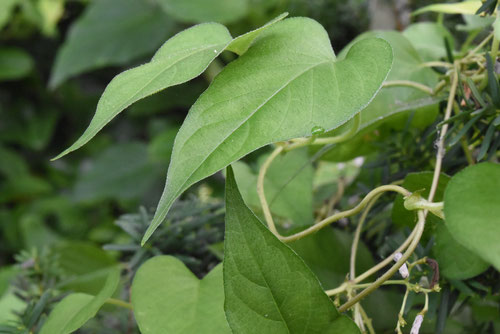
<point>415,328</point>
<point>403,270</point>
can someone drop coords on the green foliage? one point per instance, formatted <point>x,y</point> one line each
<point>14,64</point>
<point>110,32</point>
<point>196,11</point>
<point>76,309</point>
<point>347,160</point>
<point>167,297</point>
<point>290,58</point>
<point>266,285</point>
<point>472,211</point>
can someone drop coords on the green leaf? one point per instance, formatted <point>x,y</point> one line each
<point>268,288</point>
<point>396,99</point>
<point>122,171</point>
<point>6,9</point>
<point>455,261</point>
<point>180,59</point>
<point>240,44</point>
<point>197,11</point>
<point>288,186</point>
<point>84,266</point>
<point>463,7</point>
<point>15,63</point>
<point>428,39</point>
<point>110,32</point>
<point>392,105</point>
<point>472,210</point>
<point>287,83</point>
<point>77,308</point>
<point>168,298</point>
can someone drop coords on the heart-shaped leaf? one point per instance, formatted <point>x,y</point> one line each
<point>287,83</point>
<point>472,210</point>
<point>168,298</point>
<point>77,308</point>
<point>268,288</point>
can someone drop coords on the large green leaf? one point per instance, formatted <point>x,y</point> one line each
<point>288,186</point>
<point>77,308</point>
<point>196,11</point>
<point>472,210</point>
<point>168,298</point>
<point>287,83</point>
<point>180,59</point>
<point>455,261</point>
<point>268,288</point>
<point>110,32</point>
<point>15,63</point>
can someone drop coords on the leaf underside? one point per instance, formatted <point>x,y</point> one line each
<point>287,82</point>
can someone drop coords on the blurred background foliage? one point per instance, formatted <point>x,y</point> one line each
<point>59,229</point>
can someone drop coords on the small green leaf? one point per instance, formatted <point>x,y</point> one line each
<point>15,63</point>
<point>197,11</point>
<point>110,32</point>
<point>463,7</point>
<point>455,261</point>
<point>268,288</point>
<point>288,82</point>
<point>76,309</point>
<point>288,186</point>
<point>472,210</point>
<point>168,298</point>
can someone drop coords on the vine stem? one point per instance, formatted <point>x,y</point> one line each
<point>416,239</point>
<point>120,303</point>
<point>261,192</point>
<point>327,221</point>
<point>407,83</point>
<point>440,145</point>
<point>357,235</point>
<point>313,140</point>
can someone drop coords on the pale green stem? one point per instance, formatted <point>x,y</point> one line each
<point>387,260</point>
<point>420,229</point>
<point>357,234</point>
<point>260,189</point>
<point>343,214</point>
<point>366,320</point>
<point>120,303</point>
<point>406,83</point>
<point>436,64</point>
<point>440,145</point>
<point>313,140</point>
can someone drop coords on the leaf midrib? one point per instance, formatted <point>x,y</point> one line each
<point>241,124</point>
